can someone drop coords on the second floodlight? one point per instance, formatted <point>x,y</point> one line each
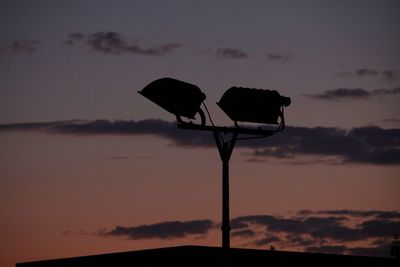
<point>253,105</point>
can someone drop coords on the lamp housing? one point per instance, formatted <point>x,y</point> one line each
<point>253,105</point>
<point>175,96</point>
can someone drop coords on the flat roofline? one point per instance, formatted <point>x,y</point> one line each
<point>194,254</point>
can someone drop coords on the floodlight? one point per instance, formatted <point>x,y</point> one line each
<point>177,97</point>
<point>239,103</point>
<point>253,105</point>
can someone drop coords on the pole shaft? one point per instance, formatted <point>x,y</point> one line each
<point>226,228</point>
<point>225,150</point>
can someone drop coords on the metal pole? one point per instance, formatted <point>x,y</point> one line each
<point>226,228</point>
<point>225,151</point>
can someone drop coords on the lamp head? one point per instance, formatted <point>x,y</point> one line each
<point>253,105</point>
<point>175,96</point>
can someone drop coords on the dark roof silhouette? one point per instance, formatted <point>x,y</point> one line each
<point>213,256</point>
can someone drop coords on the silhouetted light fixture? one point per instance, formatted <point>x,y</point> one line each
<point>177,97</point>
<point>253,105</point>
<point>240,104</point>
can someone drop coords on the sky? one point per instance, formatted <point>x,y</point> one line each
<point>89,166</point>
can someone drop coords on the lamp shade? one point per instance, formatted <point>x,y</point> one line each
<point>253,105</point>
<point>175,96</point>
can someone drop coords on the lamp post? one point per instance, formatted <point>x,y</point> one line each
<point>240,104</point>
<point>225,151</point>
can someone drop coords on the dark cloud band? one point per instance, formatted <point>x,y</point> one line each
<point>367,145</point>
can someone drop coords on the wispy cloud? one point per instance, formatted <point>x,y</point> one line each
<point>114,43</point>
<point>343,93</point>
<point>354,93</point>
<point>358,72</point>
<point>163,230</point>
<point>280,57</point>
<point>388,75</point>
<point>355,213</point>
<point>227,53</point>
<point>243,233</point>
<point>74,38</point>
<point>231,53</point>
<point>365,145</point>
<point>19,47</point>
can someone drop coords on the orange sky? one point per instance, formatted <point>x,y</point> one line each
<point>61,191</point>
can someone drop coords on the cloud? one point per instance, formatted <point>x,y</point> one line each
<point>243,233</point>
<point>267,241</point>
<point>384,92</point>
<point>327,249</point>
<point>83,127</point>
<point>107,42</point>
<point>311,231</point>
<point>280,57</point>
<point>227,53</point>
<point>318,227</point>
<point>231,53</point>
<point>302,241</point>
<point>31,126</point>
<point>359,72</point>
<point>354,93</point>
<point>20,47</point>
<point>332,227</point>
<point>368,145</point>
<point>244,221</point>
<point>314,231</point>
<point>388,75</point>
<point>154,127</point>
<point>256,160</point>
<point>74,38</point>
<point>380,227</point>
<point>113,43</point>
<point>365,145</point>
<point>163,230</point>
<point>343,93</point>
<point>355,213</point>
<point>337,232</point>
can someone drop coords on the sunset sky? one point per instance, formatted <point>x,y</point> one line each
<point>89,166</point>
